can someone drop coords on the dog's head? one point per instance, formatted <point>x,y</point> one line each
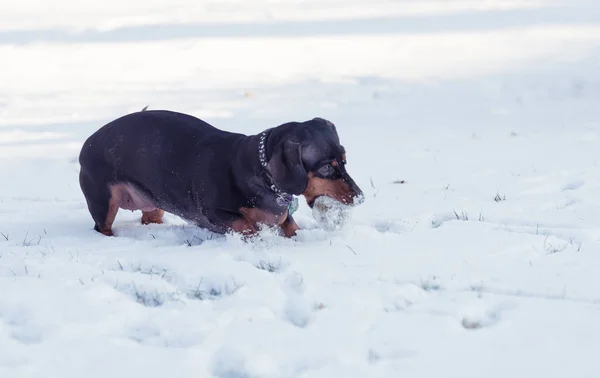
<point>307,158</point>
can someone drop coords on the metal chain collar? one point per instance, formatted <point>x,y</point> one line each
<point>283,198</point>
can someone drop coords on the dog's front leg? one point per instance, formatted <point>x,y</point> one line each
<point>245,227</point>
<point>289,226</point>
<point>252,217</point>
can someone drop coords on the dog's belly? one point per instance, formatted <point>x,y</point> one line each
<point>128,197</point>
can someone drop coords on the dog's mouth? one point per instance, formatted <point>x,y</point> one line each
<point>343,190</point>
<point>311,203</point>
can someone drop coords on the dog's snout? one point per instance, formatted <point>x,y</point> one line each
<point>356,194</point>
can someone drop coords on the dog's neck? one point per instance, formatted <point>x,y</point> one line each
<point>283,198</point>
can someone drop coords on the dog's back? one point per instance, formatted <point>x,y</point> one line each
<point>152,134</point>
<point>157,154</point>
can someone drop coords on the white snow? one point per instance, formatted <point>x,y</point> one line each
<point>473,133</point>
<point>112,14</point>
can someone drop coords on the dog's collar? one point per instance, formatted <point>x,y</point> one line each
<point>283,198</point>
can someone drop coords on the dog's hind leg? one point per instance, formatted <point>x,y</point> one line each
<point>102,205</point>
<point>154,216</point>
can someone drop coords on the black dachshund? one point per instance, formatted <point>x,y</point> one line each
<point>157,161</point>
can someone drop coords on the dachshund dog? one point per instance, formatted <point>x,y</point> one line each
<point>158,160</point>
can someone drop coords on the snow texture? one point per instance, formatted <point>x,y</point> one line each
<point>331,214</point>
<point>472,127</point>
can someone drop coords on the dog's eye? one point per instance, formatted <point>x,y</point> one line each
<point>327,170</point>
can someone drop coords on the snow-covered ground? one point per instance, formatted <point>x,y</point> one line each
<point>483,263</point>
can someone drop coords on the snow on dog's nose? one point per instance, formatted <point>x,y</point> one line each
<point>330,214</point>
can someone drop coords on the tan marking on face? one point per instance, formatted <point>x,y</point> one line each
<point>336,189</point>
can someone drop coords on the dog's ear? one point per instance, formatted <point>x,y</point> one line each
<point>287,168</point>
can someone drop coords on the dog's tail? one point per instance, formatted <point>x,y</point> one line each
<point>145,108</point>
